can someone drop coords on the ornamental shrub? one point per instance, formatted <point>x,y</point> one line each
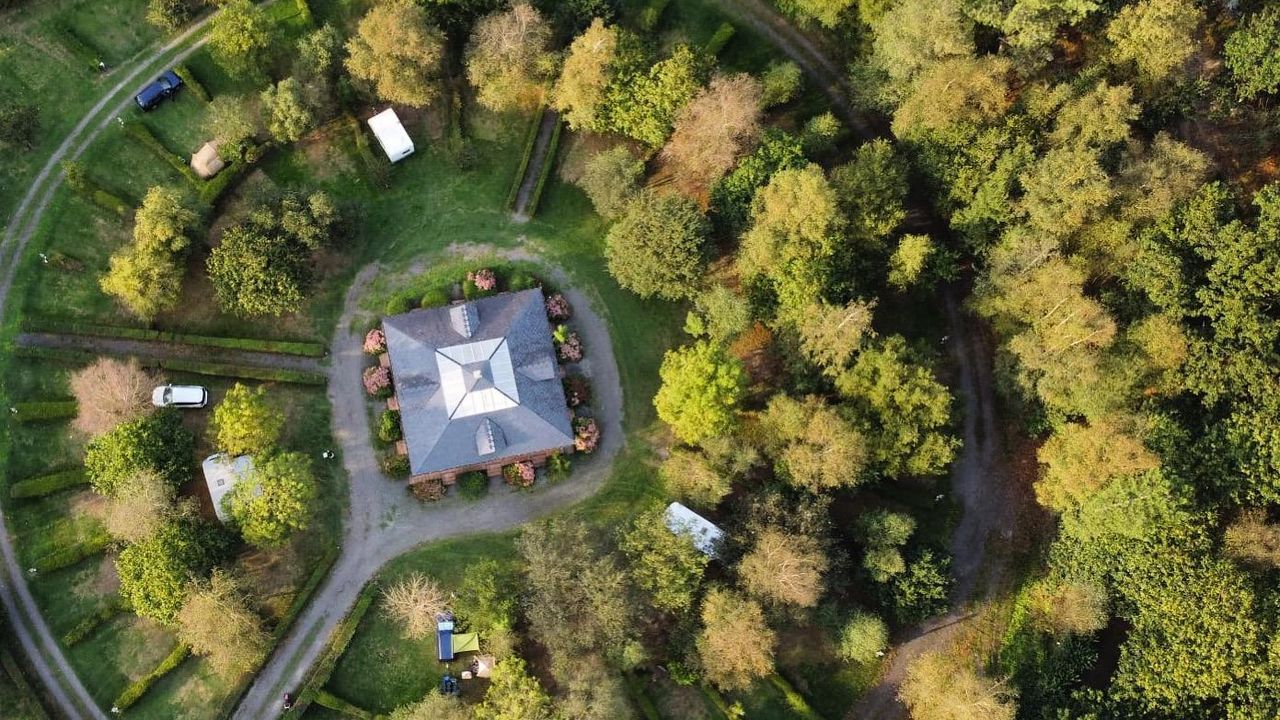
<point>586,435</point>
<point>558,467</point>
<point>156,442</point>
<point>519,474</point>
<point>521,280</point>
<point>558,308</point>
<point>473,485</point>
<point>375,342</point>
<point>389,430</point>
<point>435,297</point>
<point>484,279</point>
<point>394,465</point>
<point>377,381</point>
<point>399,304</point>
<point>570,347</point>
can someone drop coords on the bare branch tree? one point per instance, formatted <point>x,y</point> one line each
<point>110,392</point>
<point>415,600</point>
<point>719,125</point>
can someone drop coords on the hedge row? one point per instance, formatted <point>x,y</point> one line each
<point>722,36</point>
<point>548,162</point>
<point>338,643</point>
<point>379,172</point>
<point>800,708</point>
<point>10,667</point>
<point>193,83</point>
<point>530,140</point>
<point>242,372</point>
<point>139,687</point>
<point>78,179</point>
<point>324,698</point>
<point>87,626</point>
<point>140,132</point>
<point>48,484</point>
<point>68,556</point>
<point>72,327</point>
<point>44,411</point>
<point>210,190</point>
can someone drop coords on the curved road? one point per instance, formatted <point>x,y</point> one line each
<point>38,644</point>
<point>384,521</point>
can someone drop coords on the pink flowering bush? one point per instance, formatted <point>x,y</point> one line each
<point>484,279</point>
<point>520,474</point>
<point>377,381</point>
<point>586,435</point>
<point>570,348</point>
<point>375,342</point>
<point>558,308</point>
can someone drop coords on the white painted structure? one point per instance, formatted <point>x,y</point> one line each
<point>393,138</point>
<point>221,473</point>
<point>704,534</point>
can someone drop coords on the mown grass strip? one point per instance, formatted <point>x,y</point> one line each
<point>241,372</point>
<point>73,327</point>
<point>48,484</point>
<point>338,642</point>
<point>30,412</point>
<point>139,687</point>
<point>548,162</point>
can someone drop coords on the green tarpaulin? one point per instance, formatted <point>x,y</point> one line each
<point>466,642</point>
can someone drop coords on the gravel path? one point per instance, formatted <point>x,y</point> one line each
<point>156,350</point>
<point>384,521</point>
<point>55,673</point>
<point>533,171</point>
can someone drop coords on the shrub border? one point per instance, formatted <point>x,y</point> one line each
<point>74,327</point>
<point>243,372</point>
<point>337,645</point>
<point>548,162</point>
<point>134,692</point>
<point>530,139</point>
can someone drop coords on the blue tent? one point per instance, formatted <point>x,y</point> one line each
<point>444,640</point>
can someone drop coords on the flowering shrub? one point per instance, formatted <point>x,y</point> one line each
<point>377,381</point>
<point>520,474</point>
<point>577,390</point>
<point>484,279</point>
<point>558,308</point>
<point>570,349</point>
<point>586,435</point>
<point>397,466</point>
<point>429,490</point>
<point>375,342</point>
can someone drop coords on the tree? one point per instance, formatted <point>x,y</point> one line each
<point>433,707</point>
<point>110,392</point>
<point>1066,607</point>
<point>140,506</point>
<point>689,476</point>
<point>908,261</point>
<point>156,442</point>
<point>146,275</point>
<point>813,446</point>
<point>830,335</point>
<point>862,638</point>
<point>902,410</point>
<point>1157,36</point>
<point>217,622</point>
<point>316,66</point>
<point>796,228</point>
<point>731,197</point>
<point>588,69</point>
<point>645,104</point>
<point>487,597</point>
<point>18,126</point>
<point>514,695</point>
<point>719,313</point>
<point>664,564</point>
<point>244,423</point>
<point>274,501</point>
<point>594,692</point>
<point>1080,458</point>
<point>826,12</point>
<point>398,52</point>
<point>1252,540</point>
<point>288,116</point>
<point>169,15</point>
<point>700,390</point>
<point>719,125</point>
<point>240,36</point>
<point>509,59</point>
<point>230,122</point>
<point>1098,119</point>
<point>872,188</point>
<point>612,179</point>
<point>917,34</point>
<point>884,533</point>
<point>1153,182</point>
<point>1252,53</point>
<point>956,92</point>
<point>155,572</point>
<point>939,688</point>
<point>658,247</point>
<point>735,645</point>
<point>413,602</point>
<point>1032,25</point>
<point>920,592</point>
<point>784,568</point>
<point>780,83</point>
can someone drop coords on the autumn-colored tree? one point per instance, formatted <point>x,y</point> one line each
<point>954,92</point>
<point>231,123</point>
<point>916,34</point>
<point>700,390</point>
<point>812,445</point>
<point>593,690</point>
<point>109,392</point>
<point>1098,118</point>
<point>1252,540</point>
<point>580,90</point>
<point>1065,608</point>
<point>274,501</point>
<point>509,58</point>
<point>783,567</point>
<point>1079,459</point>
<point>414,601</point>
<point>397,51</point>
<point>139,507</point>
<point>435,706</point>
<point>611,179</point>
<point>830,334</point>
<point>719,313</point>
<point>735,645</point>
<point>217,622</point>
<point>1157,36</point>
<point>244,423</point>
<point>940,688</point>
<point>826,12</point>
<point>719,125</point>
<point>689,476</point>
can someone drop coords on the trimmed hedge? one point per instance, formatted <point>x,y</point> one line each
<point>324,698</point>
<point>72,327</point>
<point>66,557</point>
<point>210,190</point>
<point>722,36</point>
<point>378,169</point>
<point>193,83</point>
<point>548,162</point>
<point>800,708</point>
<point>49,484</point>
<point>242,372</point>
<point>109,202</point>
<point>87,626</point>
<point>139,687</point>
<point>44,411</point>
<point>304,593</point>
<point>530,140</point>
<point>338,642</point>
<point>140,132</point>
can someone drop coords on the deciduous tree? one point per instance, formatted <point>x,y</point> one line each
<point>1081,458</point>
<point>154,573</point>
<point>908,261</point>
<point>397,51</point>
<point>514,695</point>
<point>244,423</point>
<point>700,390</point>
<point>719,125</point>
<point>941,688</point>
<point>872,188</point>
<point>274,501</point>
<point>1157,36</point>
<point>736,646</point>
<point>146,275</point>
<point>689,476</point>
<point>782,568</point>
<point>955,92</point>
<point>240,36</point>
<point>664,564</point>
<point>645,104</point>
<point>659,246</point>
<point>611,179</point>
<point>1065,607</point>
<point>414,601</point>
<point>139,507</point>
<point>813,446</point>
<point>862,637</point>
<point>830,335</point>
<point>1253,54</point>
<point>288,116</point>
<point>588,69</point>
<point>1252,540</point>
<point>109,392</point>
<point>434,706</point>
<point>217,622</point>
<point>18,126</point>
<point>156,442</point>
<point>509,58</point>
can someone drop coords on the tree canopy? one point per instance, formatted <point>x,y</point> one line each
<point>659,246</point>
<point>701,387</point>
<point>274,501</point>
<point>398,52</point>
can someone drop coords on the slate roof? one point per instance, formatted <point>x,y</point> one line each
<point>477,382</point>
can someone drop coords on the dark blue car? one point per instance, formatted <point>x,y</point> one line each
<point>155,93</point>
